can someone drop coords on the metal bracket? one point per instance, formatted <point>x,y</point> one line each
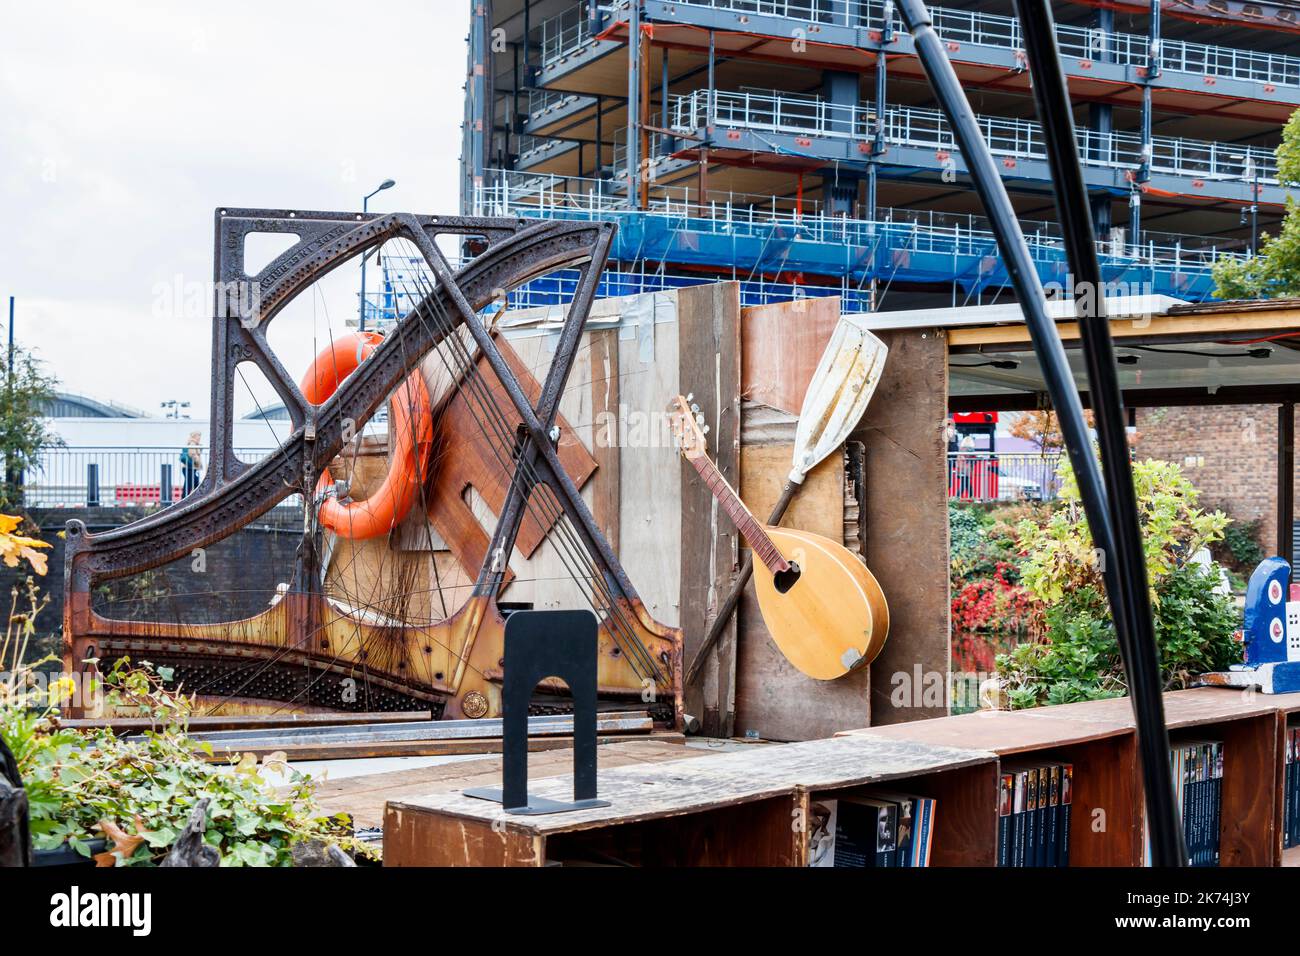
<point>541,644</point>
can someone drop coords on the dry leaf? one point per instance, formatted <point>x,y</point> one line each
<point>123,843</point>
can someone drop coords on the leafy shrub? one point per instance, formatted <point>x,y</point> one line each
<point>138,794</point>
<point>995,603</point>
<point>1240,549</point>
<point>1078,658</point>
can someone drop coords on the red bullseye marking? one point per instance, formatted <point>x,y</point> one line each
<point>410,425</point>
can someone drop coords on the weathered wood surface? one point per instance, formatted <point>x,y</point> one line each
<point>365,797</point>
<point>708,348</point>
<point>643,792</point>
<point>782,344</point>
<point>605,398</point>
<point>774,700</point>
<point>907,522</point>
<point>1007,732</point>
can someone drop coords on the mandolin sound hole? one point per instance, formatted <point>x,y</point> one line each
<point>784,580</point>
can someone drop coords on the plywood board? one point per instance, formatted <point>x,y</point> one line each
<point>650,507</point>
<point>782,344</point>
<point>775,701</point>
<point>906,518</point>
<point>708,329</point>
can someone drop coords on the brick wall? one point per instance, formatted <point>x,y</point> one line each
<point>1228,451</point>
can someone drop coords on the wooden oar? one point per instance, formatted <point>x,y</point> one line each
<point>845,379</point>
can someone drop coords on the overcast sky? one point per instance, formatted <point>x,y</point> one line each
<point>123,125</point>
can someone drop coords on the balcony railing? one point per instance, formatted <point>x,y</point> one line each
<point>570,31</point>
<point>985,476</point>
<point>800,114</point>
<point>512,193</point>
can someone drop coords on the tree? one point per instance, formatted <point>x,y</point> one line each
<point>1042,428</point>
<point>27,391</point>
<point>1275,271</point>
<point>1062,569</point>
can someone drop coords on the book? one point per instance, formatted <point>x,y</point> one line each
<point>1063,827</point>
<point>866,832</point>
<point>1006,797</point>
<point>915,825</point>
<point>821,832</point>
<point>1052,815</point>
<point>925,839</point>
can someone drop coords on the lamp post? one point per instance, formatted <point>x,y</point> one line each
<point>365,207</point>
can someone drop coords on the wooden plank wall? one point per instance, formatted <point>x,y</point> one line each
<point>708,348</point>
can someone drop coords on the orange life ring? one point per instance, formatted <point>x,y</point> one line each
<point>382,511</point>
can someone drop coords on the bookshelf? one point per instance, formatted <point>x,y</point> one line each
<point>748,807</point>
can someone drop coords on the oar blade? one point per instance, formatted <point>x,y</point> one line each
<point>839,392</point>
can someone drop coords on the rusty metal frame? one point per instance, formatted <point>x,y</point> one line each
<point>233,493</point>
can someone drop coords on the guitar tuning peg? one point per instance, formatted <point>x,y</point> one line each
<point>706,429</point>
<point>699,419</point>
<point>690,396</point>
<point>695,409</point>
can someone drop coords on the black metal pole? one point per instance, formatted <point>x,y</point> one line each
<point>1126,585</point>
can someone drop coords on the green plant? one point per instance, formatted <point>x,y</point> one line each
<point>27,392</point>
<point>1275,271</point>
<point>1061,557</point>
<point>138,793</point>
<point>1240,549</point>
<point>1078,658</point>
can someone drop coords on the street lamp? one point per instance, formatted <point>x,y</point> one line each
<point>365,207</point>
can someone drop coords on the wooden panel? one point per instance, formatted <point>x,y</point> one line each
<point>604,433</point>
<point>1249,832</point>
<point>782,344</point>
<point>819,505</point>
<point>428,840</point>
<point>364,797</point>
<point>907,522</point>
<point>469,458</point>
<point>1106,819</point>
<point>721,779</point>
<point>775,701</point>
<point>1007,732</point>
<point>750,834</point>
<point>650,513</point>
<point>708,348</point>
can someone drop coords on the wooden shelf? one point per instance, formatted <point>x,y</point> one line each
<point>744,808</point>
<point>740,809</point>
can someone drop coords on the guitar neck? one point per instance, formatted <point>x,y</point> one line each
<point>740,515</point>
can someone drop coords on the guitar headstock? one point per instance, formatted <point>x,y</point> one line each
<point>688,428</point>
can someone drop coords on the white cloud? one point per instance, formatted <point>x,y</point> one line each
<point>122,127</point>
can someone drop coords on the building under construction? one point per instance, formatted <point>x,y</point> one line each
<point>794,145</point>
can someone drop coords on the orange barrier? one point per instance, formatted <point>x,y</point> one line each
<point>410,431</point>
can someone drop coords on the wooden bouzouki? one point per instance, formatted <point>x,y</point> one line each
<point>823,608</point>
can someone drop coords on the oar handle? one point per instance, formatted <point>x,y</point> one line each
<point>746,571</point>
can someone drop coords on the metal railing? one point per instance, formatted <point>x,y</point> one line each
<point>801,114</point>
<point>985,476</point>
<point>80,476</point>
<point>541,102</point>
<point>512,193</point>
<point>985,29</point>
<point>563,34</point>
